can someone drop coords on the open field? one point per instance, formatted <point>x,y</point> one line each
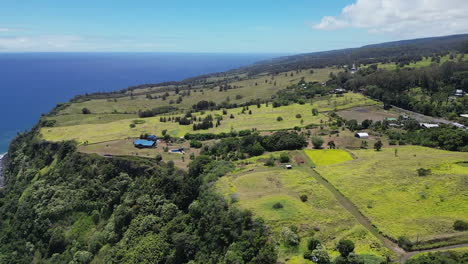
<point>263,118</point>
<point>257,188</point>
<point>387,189</point>
<point>246,89</point>
<point>322,157</point>
<point>374,113</point>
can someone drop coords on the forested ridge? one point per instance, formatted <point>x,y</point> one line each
<point>61,206</point>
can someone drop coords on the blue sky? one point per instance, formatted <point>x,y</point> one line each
<point>240,26</point>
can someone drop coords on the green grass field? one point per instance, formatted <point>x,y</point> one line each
<point>322,157</point>
<point>387,189</point>
<point>263,118</point>
<point>257,188</point>
<point>248,88</point>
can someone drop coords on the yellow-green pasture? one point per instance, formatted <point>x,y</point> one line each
<point>258,188</point>
<point>386,188</point>
<point>263,118</point>
<point>322,157</point>
<point>246,89</point>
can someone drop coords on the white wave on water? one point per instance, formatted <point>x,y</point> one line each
<point>1,169</point>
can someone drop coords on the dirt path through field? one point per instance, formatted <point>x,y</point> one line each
<point>403,255</point>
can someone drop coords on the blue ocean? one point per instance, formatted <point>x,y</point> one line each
<point>33,83</point>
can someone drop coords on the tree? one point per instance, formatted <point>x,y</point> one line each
<point>85,111</point>
<point>331,144</point>
<point>460,225</point>
<point>284,157</point>
<point>345,247</point>
<point>315,112</point>
<point>279,118</point>
<point>313,243</point>
<point>317,142</point>
<point>378,145</point>
<point>318,255</point>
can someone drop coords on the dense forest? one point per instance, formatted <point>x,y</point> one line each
<point>61,206</point>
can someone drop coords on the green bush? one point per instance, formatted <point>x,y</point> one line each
<point>284,158</point>
<point>460,225</point>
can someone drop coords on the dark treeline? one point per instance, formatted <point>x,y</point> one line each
<point>60,206</point>
<point>427,90</point>
<point>400,51</point>
<point>235,148</point>
<point>157,111</point>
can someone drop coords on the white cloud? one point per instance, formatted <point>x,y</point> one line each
<point>404,18</point>
<point>7,29</point>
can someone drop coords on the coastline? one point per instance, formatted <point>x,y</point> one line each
<point>1,169</point>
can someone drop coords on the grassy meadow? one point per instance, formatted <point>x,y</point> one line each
<point>322,157</point>
<point>263,119</point>
<point>386,187</point>
<point>258,188</point>
<point>246,89</point>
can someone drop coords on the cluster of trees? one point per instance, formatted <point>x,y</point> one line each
<point>210,136</point>
<point>235,148</point>
<point>299,93</point>
<point>157,111</point>
<point>444,137</point>
<point>425,90</point>
<point>120,210</point>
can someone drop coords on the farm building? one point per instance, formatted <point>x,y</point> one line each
<point>143,143</point>
<point>458,125</point>
<point>428,125</point>
<point>362,135</point>
<point>459,92</point>
<point>339,91</point>
<point>464,115</point>
<point>288,167</point>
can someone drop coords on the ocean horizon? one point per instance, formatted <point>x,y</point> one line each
<point>31,84</point>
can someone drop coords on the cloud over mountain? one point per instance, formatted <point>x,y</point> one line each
<point>403,18</point>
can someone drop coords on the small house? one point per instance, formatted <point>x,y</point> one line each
<point>459,92</point>
<point>339,91</point>
<point>391,119</point>
<point>143,143</point>
<point>429,125</point>
<point>464,115</point>
<point>362,135</point>
<point>288,167</point>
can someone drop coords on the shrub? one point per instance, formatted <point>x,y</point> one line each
<point>315,111</point>
<point>278,205</point>
<point>132,125</point>
<point>298,116</point>
<point>405,243</point>
<point>378,145</point>
<point>313,243</point>
<point>85,111</point>
<point>460,225</point>
<point>284,157</point>
<point>270,162</point>
<point>317,142</point>
<point>279,118</point>
<point>345,247</point>
<point>304,197</point>
<point>423,172</point>
<point>195,144</point>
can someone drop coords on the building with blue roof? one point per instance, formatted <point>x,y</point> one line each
<point>143,143</point>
